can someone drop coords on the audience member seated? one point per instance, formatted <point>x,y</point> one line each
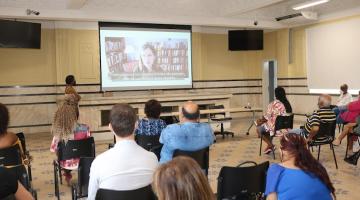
<point>189,135</point>
<point>348,128</point>
<point>151,124</point>
<point>7,139</point>
<point>9,185</point>
<point>349,112</point>
<point>345,97</point>
<point>65,127</point>
<point>299,175</point>
<point>181,178</point>
<point>127,166</point>
<point>323,114</point>
<point>266,125</point>
<point>69,89</point>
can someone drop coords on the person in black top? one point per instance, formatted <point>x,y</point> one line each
<point>12,187</point>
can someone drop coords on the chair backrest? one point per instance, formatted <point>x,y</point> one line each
<point>76,149</point>
<point>21,174</point>
<point>21,137</point>
<point>326,129</point>
<point>83,174</point>
<point>284,122</point>
<point>147,141</point>
<point>201,156</point>
<point>144,193</point>
<point>234,182</point>
<point>10,156</point>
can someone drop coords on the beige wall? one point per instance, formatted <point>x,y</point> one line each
<point>29,66</point>
<point>69,51</point>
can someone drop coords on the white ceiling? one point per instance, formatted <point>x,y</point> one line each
<point>227,13</point>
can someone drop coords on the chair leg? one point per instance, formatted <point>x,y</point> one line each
<point>347,146</point>
<point>60,175</point>
<point>334,155</point>
<point>56,183</point>
<point>261,139</point>
<point>222,130</point>
<point>29,172</point>
<point>318,152</point>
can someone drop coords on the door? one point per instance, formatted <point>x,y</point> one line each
<point>269,82</point>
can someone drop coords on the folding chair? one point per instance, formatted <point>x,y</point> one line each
<point>201,157</point>
<point>243,183</point>
<point>144,193</point>
<point>12,159</point>
<point>70,150</point>
<point>324,136</point>
<point>281,122</point>
<point>80,189</point>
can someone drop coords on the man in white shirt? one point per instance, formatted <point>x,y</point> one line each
<point>127,166</point>
<point>345,97</point>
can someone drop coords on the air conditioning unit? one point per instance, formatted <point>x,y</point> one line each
<point>301,17</point>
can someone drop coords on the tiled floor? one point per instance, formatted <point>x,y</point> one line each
<point>227,152</point>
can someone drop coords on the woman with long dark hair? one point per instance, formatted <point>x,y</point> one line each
<point>266,125</point>
<point>299,175</point>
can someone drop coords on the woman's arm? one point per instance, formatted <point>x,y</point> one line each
<point>22,193</point>
<point>272,196</point>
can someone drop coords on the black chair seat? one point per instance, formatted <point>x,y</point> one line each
<point>70,150</point>
<point>144,193</point>
<point>239,182</point>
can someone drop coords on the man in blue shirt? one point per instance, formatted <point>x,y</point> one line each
<point>189,135</point>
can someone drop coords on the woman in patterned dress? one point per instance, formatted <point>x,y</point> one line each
<point>266,125</point>
<point>65,127</point>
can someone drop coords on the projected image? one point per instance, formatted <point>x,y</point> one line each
<point>161,58</point>
<point>136,58</point>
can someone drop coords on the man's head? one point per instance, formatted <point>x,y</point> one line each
<point>190,112</point>
<point>122,120</point>
<point>70,80</point>
<point>324,101</point>
<point>344,88</point>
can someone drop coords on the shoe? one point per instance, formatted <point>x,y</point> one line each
<point>353,159</point>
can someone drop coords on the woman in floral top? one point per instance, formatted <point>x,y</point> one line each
<point>65,127</point>
<point>266,125</point>
<point>151,124</point>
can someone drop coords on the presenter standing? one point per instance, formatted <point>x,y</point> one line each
<point>69,89</point>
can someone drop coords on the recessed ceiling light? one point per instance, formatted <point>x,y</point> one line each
<point>309,4</point>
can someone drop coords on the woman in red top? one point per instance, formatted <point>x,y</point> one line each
<point>353,111</point>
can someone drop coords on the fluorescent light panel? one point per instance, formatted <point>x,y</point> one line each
<point>332,91</point>
<point>309,4</point>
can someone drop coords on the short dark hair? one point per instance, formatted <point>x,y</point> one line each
<point>4,119</point>
<point>191,116</point>
<point>153,109</point>
<point>123,119</point>
<point>69,79</point>
<point>344,87</point>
